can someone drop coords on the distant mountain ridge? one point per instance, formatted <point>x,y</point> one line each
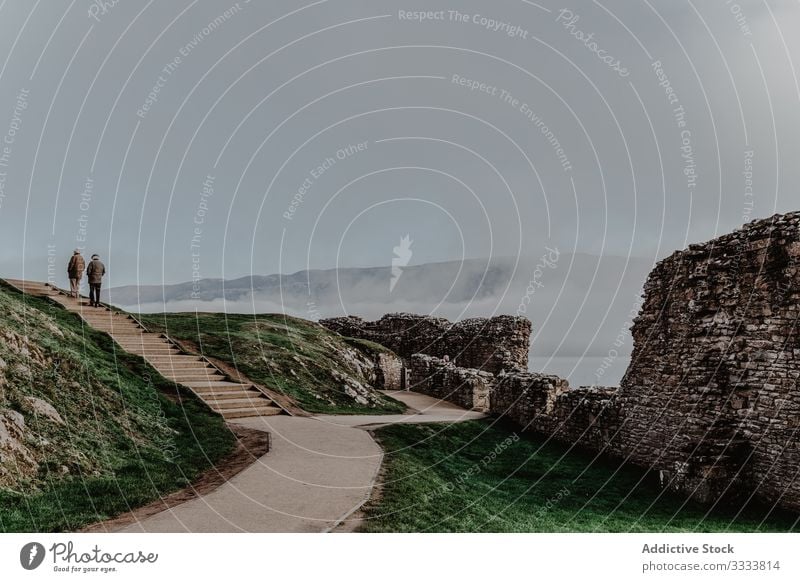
<point>580,304</point>
<point>476,279</point>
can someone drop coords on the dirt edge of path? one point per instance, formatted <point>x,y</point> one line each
<point>355,522</point>
<point>251,444</point>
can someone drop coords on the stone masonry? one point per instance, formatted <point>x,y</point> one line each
<point>711,397</point>
<point>390,372</point>
<point>489,344</point>
<point>585,417</point>
<point>466,387</point>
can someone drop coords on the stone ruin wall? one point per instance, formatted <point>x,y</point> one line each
<point>711,399</point>
<point>586,417</point>
<point>489,344</point>
<point>390,372</point>
<point>466,387</point>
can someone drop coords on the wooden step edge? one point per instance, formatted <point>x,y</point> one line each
<point>271,411</point>
<point>232,396</point>
<point>237,404</point>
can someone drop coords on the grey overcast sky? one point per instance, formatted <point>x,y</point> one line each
<point>217,139</point>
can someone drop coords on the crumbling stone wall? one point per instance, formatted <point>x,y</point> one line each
<point>587,417</point>
<point>526,398</point>
<point>492,345</point>
<point>390,371</point>
<point>711,396</point>
<point>466,387</point>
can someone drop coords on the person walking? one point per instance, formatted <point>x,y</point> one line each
<point>75,273</point>
<point>95,272</point>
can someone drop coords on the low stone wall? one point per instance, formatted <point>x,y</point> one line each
<point>587,417</point>
<point>541,403</point>
<point>526,398</point>
<point>466,387</point>
<point>489,344</point>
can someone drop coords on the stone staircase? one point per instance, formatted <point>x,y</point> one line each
<point>229,398</point>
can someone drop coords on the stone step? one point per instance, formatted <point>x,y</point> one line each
<point>145,353</point>
<point>204,384</point>
<point>184,376</point>
<point>149,345</point>
<point>183,358</point>
<point>123,334</point>
<point>152,347</point>
<point>33,289</point>
<point>144,342</point>
<point>183,367</point>
<point>119,326</point>
<point>119,330</point>
<point>195,371</point>
<point>179,366</point>
<point>97,314</point>
<point>251,412</point>
<point>238,403</point>
<point>249,395</point>
<point>195,377</point>
<point>94,314</point>
<point>229,387</point>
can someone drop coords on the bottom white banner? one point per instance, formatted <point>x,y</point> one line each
<point>398,556</point>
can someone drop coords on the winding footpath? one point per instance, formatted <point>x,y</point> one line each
<point>317,475</point>
<point>319,471</point>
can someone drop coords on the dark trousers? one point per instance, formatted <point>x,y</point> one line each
<point>94,294</point>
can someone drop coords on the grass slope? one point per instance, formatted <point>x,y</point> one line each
<point>473,477</point>
<point>322,371</point>
<point>128,437</point>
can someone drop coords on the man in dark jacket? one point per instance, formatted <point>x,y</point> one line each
<point>95,272</point>
<point>75,272</point>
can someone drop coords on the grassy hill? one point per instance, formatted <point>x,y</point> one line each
<point>322,371</point>
<point>87,432</point>
<point>476,477</point>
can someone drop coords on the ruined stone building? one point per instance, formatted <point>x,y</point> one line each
<point>496,344</point>
<point>711,399</point>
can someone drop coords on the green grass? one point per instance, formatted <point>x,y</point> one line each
<point>293,356</point>
<point>438,478</point>
<point>129,437</point>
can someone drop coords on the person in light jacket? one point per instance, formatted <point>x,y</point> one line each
<point>75,270</point>
<point>95,272</point>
